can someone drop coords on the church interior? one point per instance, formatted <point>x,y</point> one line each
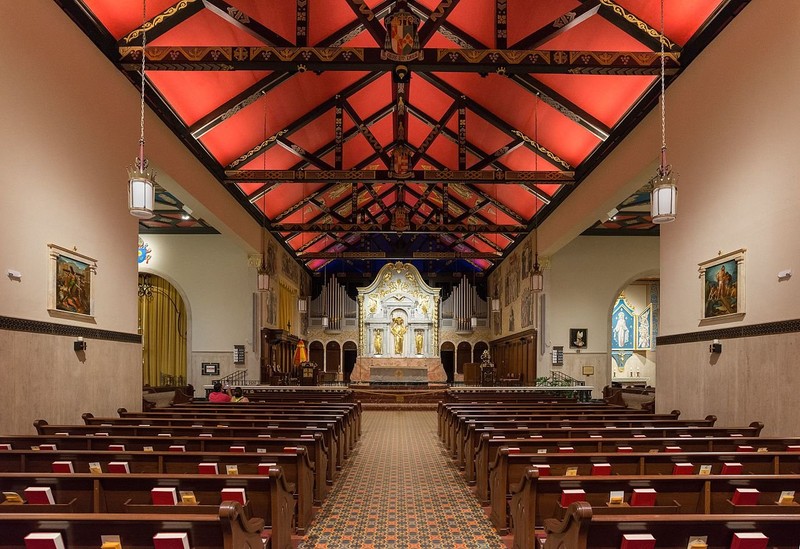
<point>401,267</point>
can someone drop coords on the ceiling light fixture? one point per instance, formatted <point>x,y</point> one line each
<point>141,179</point>
<point>664,196</point>
<point>537,277</point>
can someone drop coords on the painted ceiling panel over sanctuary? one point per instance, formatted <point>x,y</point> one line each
<point>435,130</point>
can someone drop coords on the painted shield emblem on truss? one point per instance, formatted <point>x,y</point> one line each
<point>402,41</point>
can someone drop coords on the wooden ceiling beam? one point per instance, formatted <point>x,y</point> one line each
<point>163,22</point>
<point>431,228</point>
<point>244,22</point>
<point>430,60</point>
<point>435,20</point>
<point>428,177</point>
<point>434,133</point>
<point>304,120</point>
<point>301,22</point>
<point>300,152</point>
<point>366,132</point>
<point>368,20</point>
<point>633,25</point>
<point>561,24</point>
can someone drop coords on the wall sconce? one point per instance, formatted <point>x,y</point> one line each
<point>473,322</point>
<point>715,347</point>
<point>302,305</point>
<point>495,305</point>
<point>79,345</point>
<point>324,321</point>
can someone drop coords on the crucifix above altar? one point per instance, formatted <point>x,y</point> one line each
<point>398,315</point>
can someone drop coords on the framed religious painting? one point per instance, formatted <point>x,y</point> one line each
<point>623,326</point>
<point>644,329</point>
<point>70,284</point>
<point>578,338</point>
<point>722,287</point>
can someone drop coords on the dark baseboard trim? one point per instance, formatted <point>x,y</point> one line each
<point>753,330</point>
<point>69,330</point>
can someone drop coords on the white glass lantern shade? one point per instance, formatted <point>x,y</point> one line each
<point>537,280</point>
<point>141,196</point>
<point>263,280</point>
<point>324,321</point>
<point>663,202</point>
<point>302,305</point>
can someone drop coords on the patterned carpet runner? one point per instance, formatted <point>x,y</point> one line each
<point>399,489</point>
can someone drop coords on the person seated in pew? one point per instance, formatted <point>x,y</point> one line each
<point>218,396</point>
<point>238,396</point>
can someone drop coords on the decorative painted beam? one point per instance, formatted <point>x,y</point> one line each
<point>301,22</point>
<point>244,22</point>
<point>435,20</point>
<point>294,59</point>
<point>163,22</point>
<point>368,20</point>
<point>299,151</point>
<point>633,25</point>
<point>304,120</point>
<point>561,24</point>
<point>501,24</point>
<point>338,135</point>
<point>434,133</point>
<point>499,153</point>
<point>385,255</point>
<point>565,177</point>
<point>498,122</point>
<point>431,228</point>
<point>462,134</point>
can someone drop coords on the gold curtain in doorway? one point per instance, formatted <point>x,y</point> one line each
<point>287,305</point>
<point>162,323</point>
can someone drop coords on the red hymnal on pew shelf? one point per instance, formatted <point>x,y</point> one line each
<point>513,450</point>
<point>624,450</point>
<point>571,496</point>
<point>63,467</point>
<point>732,469</point>
<point>238,449</point>
<point>208,468</point>
<point>683,469</point>
<point>234,494</point>
<point>745,448</point>
<point>790,448</point>
<point>745,496</point>
<point>39,495</point>
<point>672,449</point>
<point>164,496</point>
<point>638,541</point>
<point>263,468</point>
<point>47,447</point>
<point>749,540</point>
<point>5,447</point>
<point>290,449</point>
<point>544,470</point>
<point>601,469</point>
<point>177,448</point>
<point>116,447</point>
<point>118,467</point>
<point>566,450</point>
<point>643,497</point>
<point>171,540</point>
<point>44,540</point>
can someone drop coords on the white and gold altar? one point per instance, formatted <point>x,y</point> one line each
<point>398,328</point>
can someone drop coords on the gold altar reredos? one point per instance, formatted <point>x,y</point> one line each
<point>399,287</point>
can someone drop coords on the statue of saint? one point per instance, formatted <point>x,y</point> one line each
<point>418,342</point>
<point>378,342</point>
<point>398,331</point>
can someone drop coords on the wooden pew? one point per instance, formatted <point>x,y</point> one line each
<point>340,438</point>
<point>314,446</point>
<point>467,454</point>
<point>462,424</point>
<point>229,528</point>
<point>268,496</point>
<point>537,498</point>
<point>488,447</point>
<point>296,466</point>
<point>346,422</point>
<point>493,395</point>
<point>509,467</point>
<point>582,529</point>
<point>335,460</point>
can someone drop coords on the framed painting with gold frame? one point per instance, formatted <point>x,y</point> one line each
<point>722,287</point>
<point>70,284</point>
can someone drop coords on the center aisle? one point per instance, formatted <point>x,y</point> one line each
<point>399,489</point>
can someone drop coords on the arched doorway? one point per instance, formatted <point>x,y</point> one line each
<point>478,349</point>
<point>316,353</point>
<point>463,354</point>
<point>633,330</point>
<point>448,356</point>
<point>163,327</point>
<point>350,353</point>
<point>332,356</point>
